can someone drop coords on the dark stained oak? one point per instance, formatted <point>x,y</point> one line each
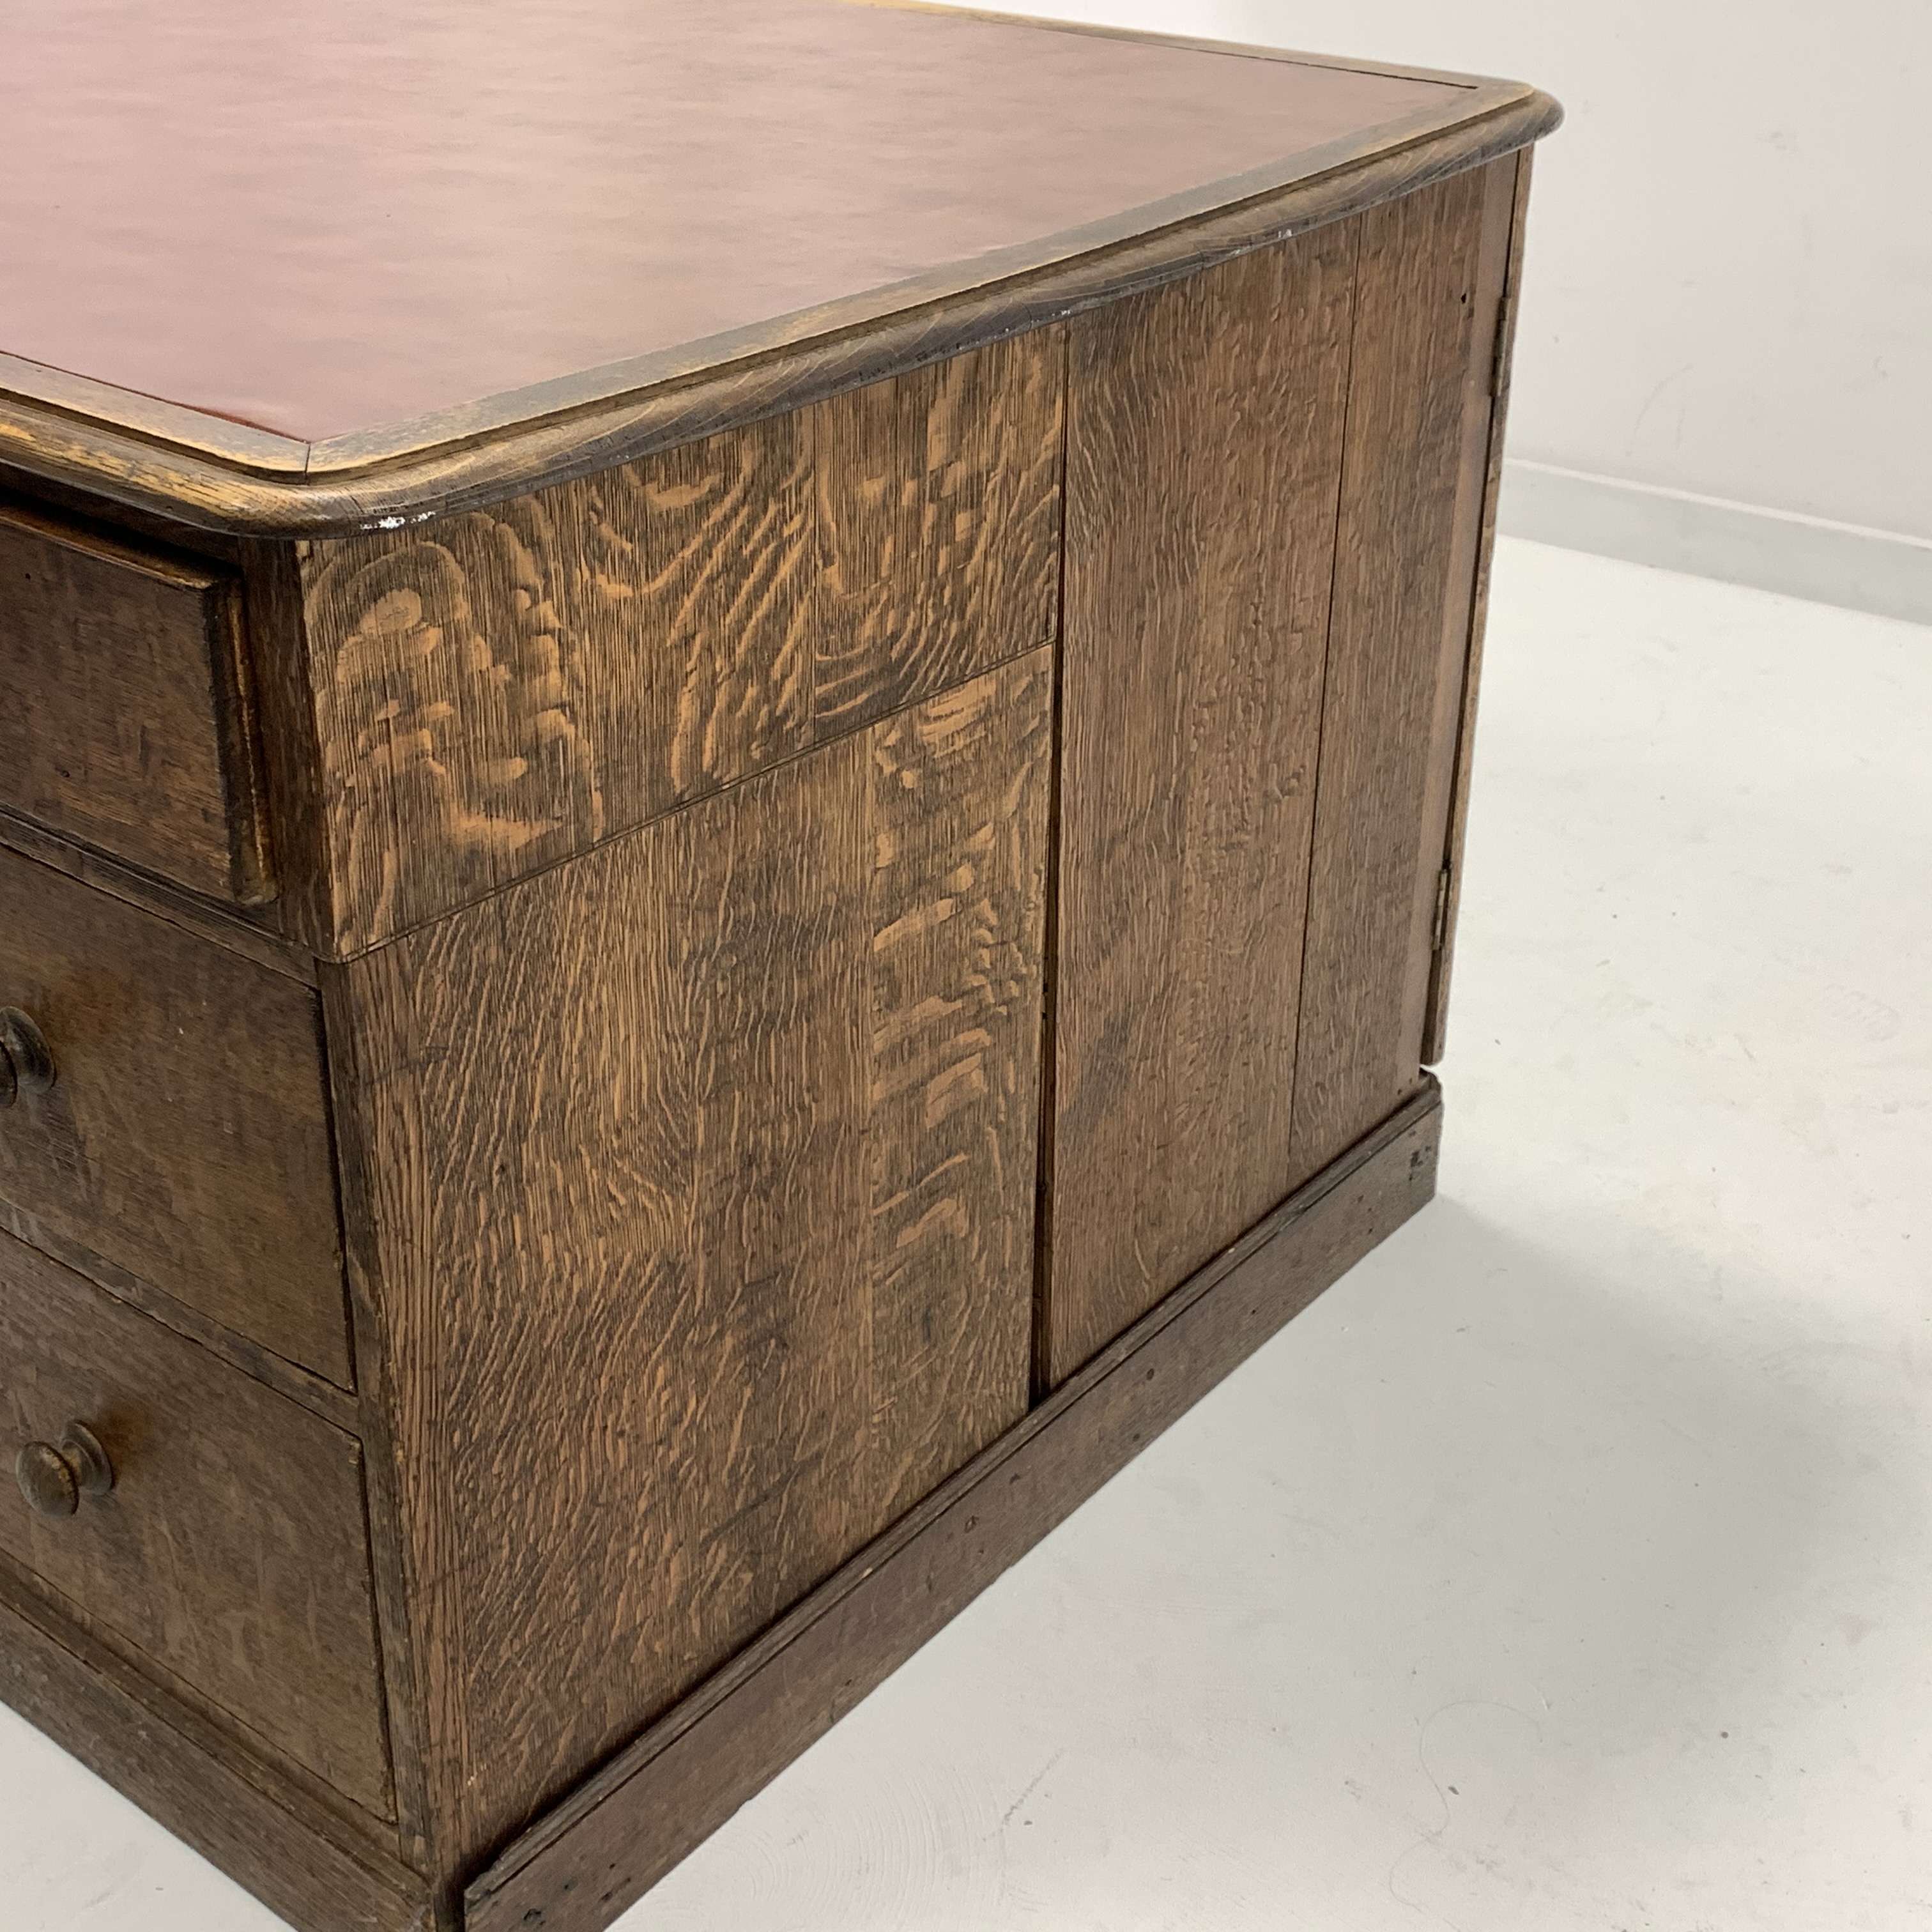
<point>497,691</point>
<point>701,1173</point>
<point>328,1399</point>
<point>636,1819</point>
<point>732,795</point>
<point>123,715</point>
<point>955,904</point>
<point>232,1548</point>
<point>185,1139</point>
<point>1429,290</point>
<point>1204,431</point>
<point>191,1776</point>
<point>235,930</point>
<point>1435,1030</point>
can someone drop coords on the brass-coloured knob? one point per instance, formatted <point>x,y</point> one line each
<point>54,1481</point>
<point>26,1065</point>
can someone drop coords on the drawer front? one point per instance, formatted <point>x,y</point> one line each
<point>125,719</point>
<point>232,1547</point>
<point>184,1138</point>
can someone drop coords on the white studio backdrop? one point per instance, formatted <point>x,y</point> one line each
<point>1724,356</point>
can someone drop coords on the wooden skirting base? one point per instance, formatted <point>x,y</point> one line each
<point>625,1827</point>
<point>603,1846</point>
<point>238,1815</point>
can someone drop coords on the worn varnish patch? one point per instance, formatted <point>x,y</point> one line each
<point>497,690</point>
<point>702,1173</point>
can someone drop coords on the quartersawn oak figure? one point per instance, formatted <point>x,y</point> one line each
<point>730,822</point>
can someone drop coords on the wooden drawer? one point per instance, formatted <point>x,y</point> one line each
<point>125,719</point>
<point>232,1548</point>
<point>185,1138</point>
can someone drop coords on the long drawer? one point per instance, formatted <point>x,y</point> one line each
<point>185,1138</point>
<point>126,717</point>
<point>231,1547</point>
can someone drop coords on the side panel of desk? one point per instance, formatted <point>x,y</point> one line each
<point>750,903</point>
<point>1430,290</point>
<point>698,1175</point>
<point>1205,423</point>
<point>500,690</point>
<point>698,1171</point>
<point>1275,481</point>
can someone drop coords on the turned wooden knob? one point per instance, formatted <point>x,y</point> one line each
<point>26,1066</point>
<point>53,1481</point>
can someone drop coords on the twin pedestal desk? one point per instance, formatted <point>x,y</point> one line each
<point>731,776</point>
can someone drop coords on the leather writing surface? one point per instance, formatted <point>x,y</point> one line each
<point>323,221</point>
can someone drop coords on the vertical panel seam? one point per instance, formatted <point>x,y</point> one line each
<point>401,1683</point>
<point>1040,1378</point>
<point>1322,702</point>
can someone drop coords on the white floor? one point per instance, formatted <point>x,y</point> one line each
<point>1568,1566</point>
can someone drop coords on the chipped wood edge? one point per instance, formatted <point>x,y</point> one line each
<point>628,1824</point>
<point>554,432</point>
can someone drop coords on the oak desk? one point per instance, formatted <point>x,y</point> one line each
<point>731,785</point>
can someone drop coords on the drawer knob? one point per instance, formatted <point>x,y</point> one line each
<point>53,1481</point>
<point>26,1066</point>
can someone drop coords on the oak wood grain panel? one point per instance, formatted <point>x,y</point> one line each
<point>700,1173</point>
<point>939,517</point>
<point>232,1548</point>
<point>1436,1032</point>
<point>1429,290</point>
<point>378,1370</point>
<point>1204,431</point>
<point>192,1778</point>
<point>185,1138</point>
<point>500,690</point>
<point>125,723</point>
<point>955,910</point>
<point>631,1823</point>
